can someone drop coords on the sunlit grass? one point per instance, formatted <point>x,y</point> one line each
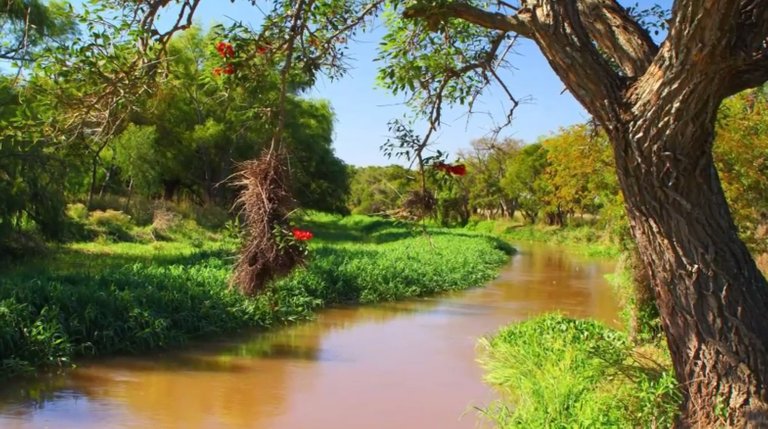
<point>554,372</point>
<point>587,240</point>
<point>97,298</point>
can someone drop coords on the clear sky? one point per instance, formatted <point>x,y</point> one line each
<point>363,111</point>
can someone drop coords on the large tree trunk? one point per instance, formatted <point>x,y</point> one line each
<point>712,299</point>
<point>658,104</point>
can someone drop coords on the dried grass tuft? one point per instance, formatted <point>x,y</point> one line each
<point>417,205</point>
<point>265,202</point>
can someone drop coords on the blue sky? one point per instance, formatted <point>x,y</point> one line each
<point>363,111</point>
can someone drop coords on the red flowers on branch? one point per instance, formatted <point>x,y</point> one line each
<point>225,50</point>
<point>301,235</point>
<point>229,69</point>
<point>456,170</point>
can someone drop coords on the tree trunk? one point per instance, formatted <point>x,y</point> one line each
<point>92,187</point>
<point>130,194</point>
<point>106,180</point>
<point>712,298</point>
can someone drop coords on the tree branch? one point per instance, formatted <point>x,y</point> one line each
<point>472,14</point>
<point>559,31</point>
<point>618,35</point>
<point>700,31</point>
<point>710,41</point>
<point>750,75</point>
<point>750,47</point>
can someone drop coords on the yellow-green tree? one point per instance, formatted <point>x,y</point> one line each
<point>741,156</point>
<point>580,173</point>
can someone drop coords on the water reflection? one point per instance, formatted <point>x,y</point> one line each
<point>405,365</point>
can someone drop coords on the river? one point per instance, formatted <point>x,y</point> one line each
<point>399,365</point>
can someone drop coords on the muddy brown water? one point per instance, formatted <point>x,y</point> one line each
<point>399,365</point>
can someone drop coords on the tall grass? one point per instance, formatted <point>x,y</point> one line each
<point>554,372</point>
<point>97,298</point>
<point>587,239</point>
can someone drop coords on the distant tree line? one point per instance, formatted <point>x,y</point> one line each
<point>570,175</point>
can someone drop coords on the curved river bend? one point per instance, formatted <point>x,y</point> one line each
<point>400,365</point>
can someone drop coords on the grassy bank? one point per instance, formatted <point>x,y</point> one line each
<point>554,372</point>
<point>98,298</point>
<point>585,239</point>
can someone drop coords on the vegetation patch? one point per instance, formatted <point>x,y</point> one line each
<point>555,372</point>
<point>98,298</point>
<point>586,240</point>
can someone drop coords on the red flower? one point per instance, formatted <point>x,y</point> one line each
<point>225,50</point>
<point>457,170</point>
<point>261,50</point>
<point>229,69</point>
<point>301,235</point>
<point>441,166</point>
<point>217,71</point>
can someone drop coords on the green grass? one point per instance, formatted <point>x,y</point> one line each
<point>98,298</point>
<point>585,239</point>
<point>554,372</point>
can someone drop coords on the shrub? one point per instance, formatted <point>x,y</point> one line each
<point>557,372</point>
<point>77,211</point>
<point>111,224</point>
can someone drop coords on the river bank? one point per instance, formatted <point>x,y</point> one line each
<point>99,298</point>
<point>404,364</point>
<point>554,371</point>
<point>585,239</point>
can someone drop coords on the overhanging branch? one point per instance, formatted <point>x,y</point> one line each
<point>618,35</point>
<point>491,20</point>
<point>559,30</point>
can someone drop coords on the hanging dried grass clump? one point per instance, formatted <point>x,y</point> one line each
<point>417,205</point>
<point>265,202</point>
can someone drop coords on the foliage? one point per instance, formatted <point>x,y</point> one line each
<point>486,167</point>
<point>437,61</point>
<point>31,176</point>
<point>378,190</point>
<point>741,157</point>
<point>320,179</point>
<point>99,298</point>
<point>111,224</point>
<point>26,25</point>
<point>579,172</point>
<point>557,372</point>
<point>198,126</point>
<point>524,178</point>
<point>179,142</point>
<point>639,312</point>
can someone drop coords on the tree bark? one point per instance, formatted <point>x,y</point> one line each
<point>712,298</point>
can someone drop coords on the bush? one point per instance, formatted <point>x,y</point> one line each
<point>113,225</point>
<point>556,372</point>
